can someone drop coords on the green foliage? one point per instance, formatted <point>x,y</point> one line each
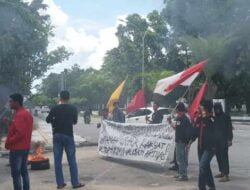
<point>217,31</point>
<point>4,128</point>
<point>41,100</point>
<point>153,76</point>
<point>24,35</point>
<point>161,58</point>
<point>126,60</point>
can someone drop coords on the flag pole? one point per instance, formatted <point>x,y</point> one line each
<point>180,97</point>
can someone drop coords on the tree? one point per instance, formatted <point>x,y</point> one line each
<point>51,86</point>
<point>126,60</point>
<point>24,38</point>
<point>41,99</point>
<point>216,30</point>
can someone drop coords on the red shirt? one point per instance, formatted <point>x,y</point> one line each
<point>20,130</point>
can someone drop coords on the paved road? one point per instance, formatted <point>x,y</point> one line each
<point>113,174</point>
<point>89,131</point>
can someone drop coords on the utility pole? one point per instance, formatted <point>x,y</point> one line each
<point>63,79</point>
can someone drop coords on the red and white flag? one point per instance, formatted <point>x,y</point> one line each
<point>137,102</point>
<point>184,78</point>
<point>196,102</point>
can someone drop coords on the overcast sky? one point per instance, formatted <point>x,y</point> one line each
<point>87,27</point>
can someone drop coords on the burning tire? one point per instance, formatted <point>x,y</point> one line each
<point>37,161</point>
<point>40,164</point>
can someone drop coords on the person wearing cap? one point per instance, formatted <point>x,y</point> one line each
<point>224,137</point>
<point>117,115</point>
<point>182,125</point>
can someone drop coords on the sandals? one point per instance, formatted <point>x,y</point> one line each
<point>78,185</point>
<point>61,186</point>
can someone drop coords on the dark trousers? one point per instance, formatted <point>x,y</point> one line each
<point>222,157</point>
<point>175,161</point>
<point>18,166</point>
<point>205,173</point>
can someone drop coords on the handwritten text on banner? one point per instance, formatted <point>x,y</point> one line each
<point>140,142</point>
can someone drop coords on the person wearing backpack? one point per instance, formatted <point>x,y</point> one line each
<point>183,135</point>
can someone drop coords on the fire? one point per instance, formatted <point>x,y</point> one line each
<point>38,155</point>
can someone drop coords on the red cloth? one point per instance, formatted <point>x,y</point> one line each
<point>20,130</point>
<point>186,74</point>
<point>137,102</point>
<point>196,103</point>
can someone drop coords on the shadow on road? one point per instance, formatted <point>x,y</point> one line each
<point>154,168</point>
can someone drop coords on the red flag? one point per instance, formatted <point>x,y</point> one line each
<point>196,103</point>
<point>189,74</point>
<point>137,102</point>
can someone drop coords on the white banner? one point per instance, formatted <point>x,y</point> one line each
<point>141,142</point>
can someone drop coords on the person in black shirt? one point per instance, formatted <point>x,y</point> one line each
<point>183,124</point>
<point>117,114</point>
<point>156,116</point>
<point>63,117</point>
<point>224,136</point>
<point>205,132</point>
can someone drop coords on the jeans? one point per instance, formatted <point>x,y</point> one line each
<point>205,173</point>
<point>18,166</point>
<point>175,161</point>
<point>61,142</point>
<point>222,157</point>
<point>182,159</point>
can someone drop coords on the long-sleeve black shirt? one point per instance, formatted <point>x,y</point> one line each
<point>223,127</point>
<point>63,117</point>
<point>157,117</point>
<point>183,124</point>
<point>205,131</point>
<point>118,116</point>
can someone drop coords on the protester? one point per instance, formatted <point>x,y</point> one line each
<point>63,117</point>
<point>157,116</point>
<point>174,161</point>
<point>117,114</point>
<point>182,126</point>
<point>205,132</point>
<point>87,115</point>
<point>174,167</point>
<point>224,136</point>
<point>19,141</point>
<point>104,114</point>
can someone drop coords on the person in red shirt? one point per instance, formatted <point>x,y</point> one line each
<point>18,142</point>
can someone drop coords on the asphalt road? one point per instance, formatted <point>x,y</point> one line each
<point>89,131</point>
<point>111,174</point>
<point>239,159</point>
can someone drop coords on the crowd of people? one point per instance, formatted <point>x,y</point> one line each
<point>211,126</point>
<point>213,129</point>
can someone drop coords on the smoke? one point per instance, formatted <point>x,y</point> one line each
<point>5,91</point>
